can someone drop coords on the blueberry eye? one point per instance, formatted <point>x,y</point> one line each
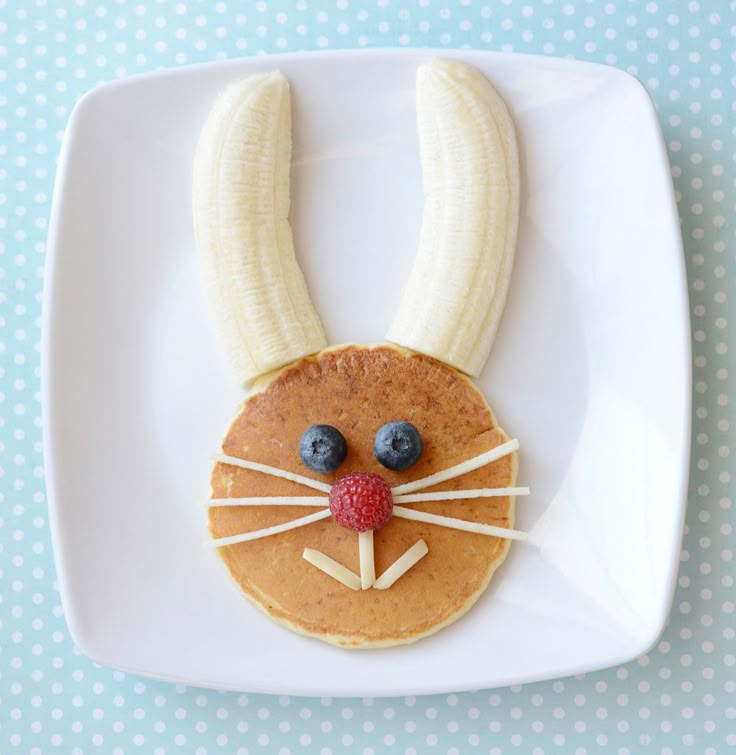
<point>398,445</point>
<point>322,448</point>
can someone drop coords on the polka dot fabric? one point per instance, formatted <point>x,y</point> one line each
<point>678,698</point>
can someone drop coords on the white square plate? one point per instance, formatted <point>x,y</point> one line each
<point>590,370</point>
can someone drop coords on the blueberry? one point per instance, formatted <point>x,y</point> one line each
<point>323,448</point>
<point>398,445</point>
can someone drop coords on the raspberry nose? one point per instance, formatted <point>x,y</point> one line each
<point>361,501</point>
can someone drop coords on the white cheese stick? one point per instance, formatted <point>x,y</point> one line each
<point>367,562</point>
<point>271,500</point>
<point>268,531</point>
<point>332,568</point>
<point>459,524</point>
<point>402,565</point>
<point>459,495</point>
<point>273,471</point>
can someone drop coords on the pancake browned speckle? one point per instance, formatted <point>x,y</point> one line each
<point>358,389</point>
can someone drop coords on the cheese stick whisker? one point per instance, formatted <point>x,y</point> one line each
<point>459,495</point>
<point>459,524</point>
<point>459,469</point>
<point>255,466</point>
<point>270,500</point>
<point>268,531</point>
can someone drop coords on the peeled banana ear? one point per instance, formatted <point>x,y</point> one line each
<point>456,293</point>
<point>240,200</point>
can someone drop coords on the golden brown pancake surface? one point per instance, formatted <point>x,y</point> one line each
<point>358,389</point>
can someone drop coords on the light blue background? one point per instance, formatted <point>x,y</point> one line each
<point>679,698</point>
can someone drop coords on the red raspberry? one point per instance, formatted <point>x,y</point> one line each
<point>361,501</point>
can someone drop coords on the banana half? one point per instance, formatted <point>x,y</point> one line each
<point>241,198</point>
<point>456,293</point>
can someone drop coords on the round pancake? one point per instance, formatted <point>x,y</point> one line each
<point>357,389</point>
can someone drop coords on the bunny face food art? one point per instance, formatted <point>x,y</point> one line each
<point>364,495</point>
